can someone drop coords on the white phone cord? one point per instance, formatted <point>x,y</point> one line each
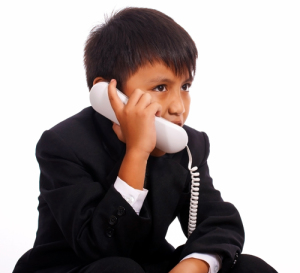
<point>194,194</point>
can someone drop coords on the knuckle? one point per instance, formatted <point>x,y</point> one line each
<point>147,96</point>
<point>137,91</point>
<point>156,105</point>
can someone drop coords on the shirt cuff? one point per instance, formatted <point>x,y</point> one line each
<point>133,196</point>
<point>214,261</point>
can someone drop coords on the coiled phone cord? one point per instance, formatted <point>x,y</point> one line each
<point>195,185</point>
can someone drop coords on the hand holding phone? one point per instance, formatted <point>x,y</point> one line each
<point>170,137</point>
<point>136,117</point>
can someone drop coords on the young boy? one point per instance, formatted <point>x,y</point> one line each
<point>108,195</point>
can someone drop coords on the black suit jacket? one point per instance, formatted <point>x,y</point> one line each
<point>82,218</point>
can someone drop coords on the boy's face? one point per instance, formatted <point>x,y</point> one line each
<point>166,88</point>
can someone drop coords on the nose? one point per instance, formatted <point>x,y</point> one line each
<point>176,106</point>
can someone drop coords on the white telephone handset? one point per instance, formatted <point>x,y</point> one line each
<point>170,137</point>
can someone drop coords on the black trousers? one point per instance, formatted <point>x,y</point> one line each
<point>245,264</point>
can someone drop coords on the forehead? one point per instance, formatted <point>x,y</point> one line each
<point>158,72</point>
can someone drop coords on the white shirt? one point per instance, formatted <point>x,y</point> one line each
<point>136,199</point>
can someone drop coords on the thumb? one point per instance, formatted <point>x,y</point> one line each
<point>114,99</point>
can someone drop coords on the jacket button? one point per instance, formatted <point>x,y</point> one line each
<point>109,232</point>
<point>237,255</point>
<point>113,220</point>
<point>121,211</point>
<point>233,263</point>
<point>130,199</point>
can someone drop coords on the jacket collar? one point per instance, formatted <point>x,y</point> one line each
<point>110,141</point>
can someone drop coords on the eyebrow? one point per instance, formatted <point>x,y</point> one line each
<point>163,79</point>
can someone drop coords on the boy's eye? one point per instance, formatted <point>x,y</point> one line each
<point>160,88</point>
<point>186,87</point>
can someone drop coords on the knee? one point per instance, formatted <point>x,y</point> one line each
<point>114,265</point>
<point>252,264</point>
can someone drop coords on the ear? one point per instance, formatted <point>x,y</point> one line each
<point>99,79</point>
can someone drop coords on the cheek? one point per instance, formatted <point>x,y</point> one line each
<point>186,102</point>
<point>162,100</point>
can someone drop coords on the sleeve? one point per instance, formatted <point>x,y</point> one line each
<point>219,227</point>
<point>95,221</point>
<point>214,261</point>
<point>133,196</point>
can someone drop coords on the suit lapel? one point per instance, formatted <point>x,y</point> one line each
<point>167,181</point>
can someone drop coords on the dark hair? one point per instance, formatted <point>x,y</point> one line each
<point>134,37</point>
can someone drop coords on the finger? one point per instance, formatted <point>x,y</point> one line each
<point>154,109</point>
<point>114,99</point>
<point>144,101</point>
<point>134,97</point>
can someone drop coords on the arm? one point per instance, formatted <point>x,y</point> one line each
<point>81,205</point>
<point>86,212</point>
<point>137,130</point>
<point>219,227</point>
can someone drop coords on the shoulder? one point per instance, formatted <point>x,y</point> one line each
<point>77,132</point>
<point>75,124</point>
<point>198,144</point>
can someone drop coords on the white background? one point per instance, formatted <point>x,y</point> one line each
<point>245,96</point>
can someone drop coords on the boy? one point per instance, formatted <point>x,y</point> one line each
<point>107,194</point>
